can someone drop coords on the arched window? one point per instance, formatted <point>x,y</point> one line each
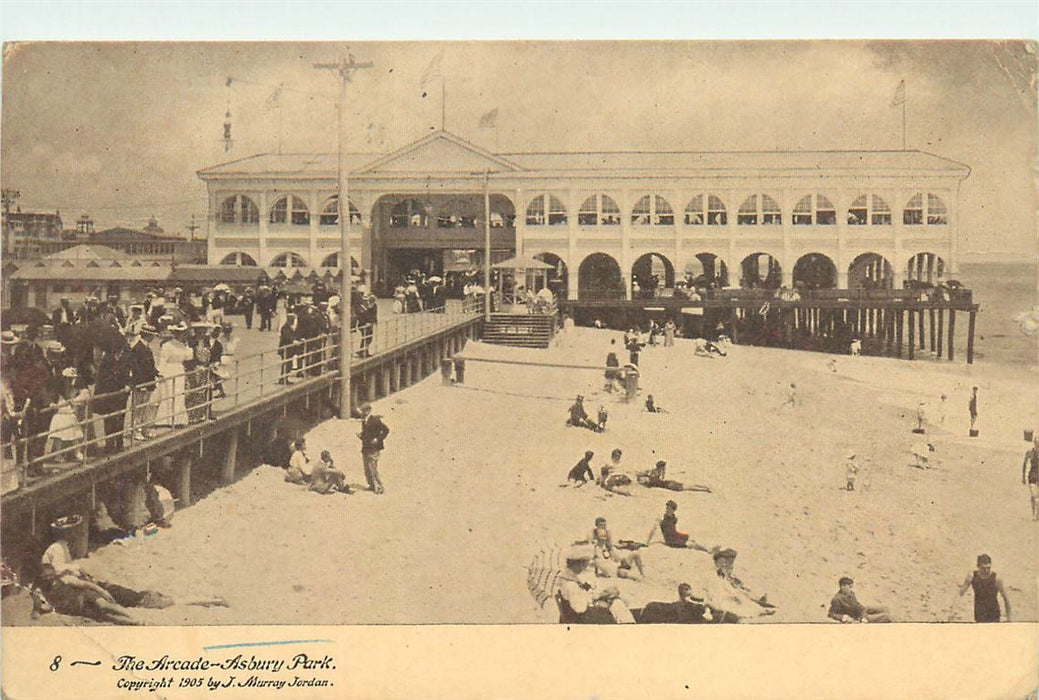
<point>289,260</point>
<point>239,208</point>
<point>759,208</point>
<point>330,214</point>
<point>333,261</point>
<point>290,208</point>
<point>714,215</point>
<point>599,209</point>
<point>869,209</point>
<point>243,259</point>
<point>652,209</point>
<point>536,214</point>
<point>815,208</point>
<point>935,214</point>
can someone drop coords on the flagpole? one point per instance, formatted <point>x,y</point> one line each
<point>903,124</point>
<point>486,245</point>
<point>443,102</point>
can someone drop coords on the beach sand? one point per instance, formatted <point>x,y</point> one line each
<point>473,473</point>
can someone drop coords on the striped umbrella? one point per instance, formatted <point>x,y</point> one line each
<point>546,572</point>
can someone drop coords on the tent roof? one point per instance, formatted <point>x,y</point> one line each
<point>522,262</point>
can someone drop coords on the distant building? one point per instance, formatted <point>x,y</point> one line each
<point>152,243</point>
<point>25,233</point>
<point>605,220</point>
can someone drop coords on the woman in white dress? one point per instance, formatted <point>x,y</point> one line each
<point>66,426</point>
<point>172,411</point>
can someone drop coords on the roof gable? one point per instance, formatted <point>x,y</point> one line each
<point>440,152</point>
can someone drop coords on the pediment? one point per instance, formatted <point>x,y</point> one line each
<point>440,152</point>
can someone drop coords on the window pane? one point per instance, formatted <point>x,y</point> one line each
<point>536,212</point>
<point>227,211</point>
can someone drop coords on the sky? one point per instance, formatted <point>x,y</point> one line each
<point>118,130</point>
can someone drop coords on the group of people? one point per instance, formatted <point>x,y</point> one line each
<point>106,375</point>
<point>417,292</point>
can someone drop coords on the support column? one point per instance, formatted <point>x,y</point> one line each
<point>385,380</point>
<point>920,326</point>
<point>184,481</point>
<point>941,321</point>
<point>264,255</point>
<point>930,330</point>
<point>315,218</point>
<point>899,321</point>
<point>370,382</point>
<point>231,458</point>
<point>952,332</point>
<point>912,339</point>
<point>572,262</point>
<point>520,222</point>
<point>625,256</point>
<point>970,337</point>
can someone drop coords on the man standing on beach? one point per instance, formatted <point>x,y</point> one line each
<point>972,406</point>
<point>1030,475</point>
<point>373,433</point>
<point>986,585</point>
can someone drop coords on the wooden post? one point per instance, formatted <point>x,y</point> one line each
<point>970,337</point>
<point>912,338</point>
<point>735,336</point>
<point>184,490</point>
<point>941,322</point>
<point>385,380</point>
<point>396,374</point>
<point>405,371</point>
<point>952,331</point>
<point>930,329</point>
<point>899,318</point>
<point>231,458</point>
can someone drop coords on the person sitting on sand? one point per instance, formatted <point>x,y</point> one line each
<point>791,397</point>
<point>611,478</point>
<point>602,417</point>
<point>687,610</point>
<point>299,464</point>
<point>851,472</point>
<point>920,452</point>
<point>655,479</point>
<point>579,418</point>
<point>724,560</point>
<point>581,602</point>
<point>326,478</point>
<point>845,607</point>
<point>608,560</point>
<point>581,473</point>
<point>71,591</point>
<point>668,526</point>
<point>611,375</point>
<point>652,407</point>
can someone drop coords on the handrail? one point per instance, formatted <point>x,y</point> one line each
<point>187,398</point>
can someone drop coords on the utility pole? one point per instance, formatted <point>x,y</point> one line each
<point>192,227</point>
<point>345,67</point>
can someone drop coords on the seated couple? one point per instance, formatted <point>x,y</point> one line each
<point>322,478</point>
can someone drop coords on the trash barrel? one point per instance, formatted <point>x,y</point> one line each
<point>445,371</point>
<point>1029,435</point>
<point>73,529</point>
<point>459,371</point>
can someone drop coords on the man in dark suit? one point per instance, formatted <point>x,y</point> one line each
<point>110,392</point>
<point>286,349</point>
<point>373,435</point>
<point>216,352</point>
<point>248,304</point>
<point>141,376</point>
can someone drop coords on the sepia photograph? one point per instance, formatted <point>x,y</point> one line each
<point>615,332</point>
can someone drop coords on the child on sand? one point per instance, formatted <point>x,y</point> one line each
<point>852,472</point>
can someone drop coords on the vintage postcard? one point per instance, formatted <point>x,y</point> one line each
<point>733,344</point>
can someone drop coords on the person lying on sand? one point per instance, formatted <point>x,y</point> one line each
<point>326,478</point>
<point>579,418</point>
<point>687,610</point>
<point>652,407</point>
<point>581,473</point>
<point>654,479</point>
<point>724,560</point>
<point>611,478</point>
<point>581,601</point>
<point>920,453</point>
<point>673,537</point>
<point>71,591</point>
<point>608,560</point>
<point>845,607</point>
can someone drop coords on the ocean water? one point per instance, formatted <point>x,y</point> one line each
<point>1001,290</point>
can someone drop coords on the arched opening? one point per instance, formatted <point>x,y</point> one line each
<point>239,209</point>
<point>706,270</point>
<point>924,269</point>
<point>333,261</point>
<point>713,215</point>
<point>330,213</point>
<point>930,209</point>
<point>815,271</point>
<point>557,276</point>
<point>760,270</point>
<point>240,259</point>
<point>538,214</point>
<point>649,274</point>
<point>289,260</point>
<point>652,210</point>
<point>599,210</point>
<point>870,271</point>
<point>599,277</point>
<point>290,209</point>
<point>869,209</point>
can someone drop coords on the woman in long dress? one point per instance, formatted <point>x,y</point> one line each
<point>66,426</point>
<point>199,388</point>
<point>172,355</point>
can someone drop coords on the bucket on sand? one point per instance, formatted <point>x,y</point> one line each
<point>72,529</point>
<point>1029,435</point>
<point>973,433</point>
<point>918,431</point>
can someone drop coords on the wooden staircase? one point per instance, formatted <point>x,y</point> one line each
<point>520,330</point>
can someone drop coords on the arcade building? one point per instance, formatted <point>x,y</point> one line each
<point>609,223</point>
